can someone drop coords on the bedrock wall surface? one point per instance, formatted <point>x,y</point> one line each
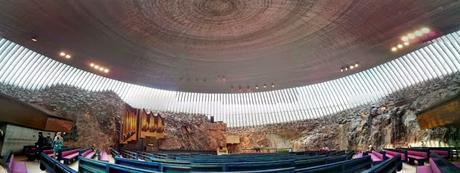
<point>389,122</point>
<point>97,117</point>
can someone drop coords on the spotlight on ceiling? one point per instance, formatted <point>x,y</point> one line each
<point>400,46</point>
<point>273,85</point>
<point>62,54</point>
<point>68,56</point>
<point>265,85</point>
<point>91,64</point>
<point>356,65</point>
<point>351,67</point>
<point>394,49</point>
<point>34,38</point>
<point>341,70</point>
<point>257,87</point>
<point>346,68</point>
<point>406,43</point>
<point>425,30</point>
<point>404,38</point>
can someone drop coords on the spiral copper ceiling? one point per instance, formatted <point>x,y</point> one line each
<point>212,45</point>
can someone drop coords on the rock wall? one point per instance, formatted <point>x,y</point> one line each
<point>390,122</point>
<point>96,114</point>
<point>97,117</point>
<point>192,132</point>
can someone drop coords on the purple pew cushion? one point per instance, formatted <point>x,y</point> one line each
<point>19,167</point>
<point>16,167</point>
<point>104,156</point>
<point>84,154</point>
<point>71,156</point>
<point>434,167</point>
<point>90,155</point>
<point>376,157</point>
<point>391,154</point>
<point>423,169</point>
<point>419,155</point>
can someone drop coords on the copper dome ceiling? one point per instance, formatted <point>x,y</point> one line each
<point>212,45</point>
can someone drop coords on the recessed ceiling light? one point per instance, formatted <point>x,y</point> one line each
<point>273,85</point>
<point>425,30</point>
<point>400,46</point>
<point>404,38</point>
<point>356,65</point>
<point>346,68</point>
<point>106,70</point>
<point>418,33</point>
<point>341,70</point>
<point>91,64</point>
<point>62,54</point>
<point>34,39</point>
<point>394,49</point>
<point>68,56</point>
<point>411,36</point>
<point>406,43</point>
<point>351,67</point>
<point>257,87</point>
<point>265,85</point>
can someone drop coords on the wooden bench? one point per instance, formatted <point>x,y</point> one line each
<point>387,166</point>
<point>70,156</point>
<point>51,165</point>
<point>354,165</point>
<point>89,154</point>
<point>438,164</point>
<point>377,157</point>
<point>95,166</point>
<point>442,153</point>
<point>420,156</point>
<point>393,153</point>
<point>16,166</point>
<point>104,156</point>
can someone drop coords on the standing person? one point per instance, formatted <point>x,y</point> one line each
<point>58,142</point>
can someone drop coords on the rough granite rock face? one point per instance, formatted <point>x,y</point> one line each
<point>96,114</point>
<point>390,122</point>
<point>192,132</point>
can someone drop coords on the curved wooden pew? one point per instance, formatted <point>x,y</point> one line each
<point>438,165</point>
<point>160,167</point>
<point>51,165</point>
<point>95,166</point>
<point>354,165</point>
<point>388,166</point>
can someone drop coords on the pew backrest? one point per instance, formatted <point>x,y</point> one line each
<point>388,166</point>
<point>412,153</point>
<point>354,165</point>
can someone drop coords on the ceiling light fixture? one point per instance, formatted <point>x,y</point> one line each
<point>273,85</point>
<point>400,46</point>
<point>356,65</point>
<point>62,54</point>
<point>394,49</point>
<point>425,30</point>
<point>406,43</point>
<point>257,87</point>
<point>99,68</point>
<point>265,85</point>
<point>34,38</point>
<point>68,56</point>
